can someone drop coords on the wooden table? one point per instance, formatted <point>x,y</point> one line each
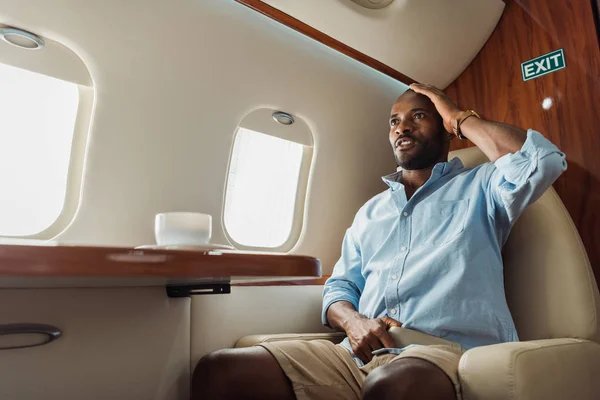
<point>182,272</point>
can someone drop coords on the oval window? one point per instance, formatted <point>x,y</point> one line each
<point>37,122</point>
<point>267,182</point>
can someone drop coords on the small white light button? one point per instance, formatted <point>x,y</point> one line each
<point>393,312</point>
<point>405,214</point>
<point>403,248</point>
<point>394,277</point>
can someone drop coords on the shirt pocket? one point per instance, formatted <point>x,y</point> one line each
<point>439,222</point>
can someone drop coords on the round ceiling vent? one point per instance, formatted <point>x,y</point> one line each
<point>373,3</point>
<point>21,38</point>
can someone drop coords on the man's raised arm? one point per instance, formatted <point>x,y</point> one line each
<point>525,162</point>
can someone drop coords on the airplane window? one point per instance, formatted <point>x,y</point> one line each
<point>37,122</point>
<point>262,189</point>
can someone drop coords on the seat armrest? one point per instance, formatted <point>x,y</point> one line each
<point>251,340</point>
<point>402,336</point>
<point>552,369</point>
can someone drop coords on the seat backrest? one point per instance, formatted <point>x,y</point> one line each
<point>549,283</point>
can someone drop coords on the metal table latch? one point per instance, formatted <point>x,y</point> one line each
<point>198,289</point>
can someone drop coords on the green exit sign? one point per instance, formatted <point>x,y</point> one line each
<point>543,65</point>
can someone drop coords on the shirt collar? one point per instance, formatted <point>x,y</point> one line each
<point>394,180</point>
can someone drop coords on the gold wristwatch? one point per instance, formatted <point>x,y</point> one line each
<point>460,119</point>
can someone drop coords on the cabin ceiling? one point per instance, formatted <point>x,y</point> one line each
<point>430,41</point>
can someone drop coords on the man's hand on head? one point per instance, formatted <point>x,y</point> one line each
<point>367,335</point>
<point>444,104</point>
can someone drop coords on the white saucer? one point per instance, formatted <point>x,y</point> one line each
<point>189,247</point>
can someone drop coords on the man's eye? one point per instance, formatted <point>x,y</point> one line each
<point>394,122</point>
<point>419,115</point>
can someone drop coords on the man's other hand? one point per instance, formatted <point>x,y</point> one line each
<point>444,104</point>
<point>367,335</point>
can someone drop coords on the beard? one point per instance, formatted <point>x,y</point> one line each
<point>423,155</point>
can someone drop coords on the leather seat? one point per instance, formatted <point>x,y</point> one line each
<point>554,300</point>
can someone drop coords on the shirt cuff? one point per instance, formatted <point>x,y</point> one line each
<point>516,168</point>
<point>334,298</point>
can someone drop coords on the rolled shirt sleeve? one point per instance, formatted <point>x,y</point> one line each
<point>519,179</point>
<point>346,282</point>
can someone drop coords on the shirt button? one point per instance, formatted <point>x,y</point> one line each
<point>394,277</point>
<point>403,248</point>
<point>405,214</point>
<point>393,312</point>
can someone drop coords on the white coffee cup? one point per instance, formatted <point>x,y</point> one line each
<point>182,228</point>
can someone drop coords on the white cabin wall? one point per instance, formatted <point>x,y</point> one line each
<point>117,344</point>
<point>218,322</point>
<point>173,80</point>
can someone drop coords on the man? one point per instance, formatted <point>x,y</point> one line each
<point>425,255</point>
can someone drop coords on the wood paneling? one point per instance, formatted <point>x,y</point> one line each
<point>106,262</point>
<point>327,40</point>
<point>492,85</point>
<point>298,282</point>
<point>596,7</point>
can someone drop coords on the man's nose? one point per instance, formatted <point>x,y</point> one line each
<point>404,128</point>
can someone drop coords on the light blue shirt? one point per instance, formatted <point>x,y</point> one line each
<point>434,262</point>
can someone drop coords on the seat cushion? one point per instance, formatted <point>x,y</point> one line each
<point>554,369</point>
<point>252,340</point>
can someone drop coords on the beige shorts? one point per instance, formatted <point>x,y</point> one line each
<point>319,369</point>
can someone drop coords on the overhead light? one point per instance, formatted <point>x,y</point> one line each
<point>283,118</point>
<point>375,4</point>
<point>21,38</point>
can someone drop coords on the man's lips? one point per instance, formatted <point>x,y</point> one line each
<point>404,143</point>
